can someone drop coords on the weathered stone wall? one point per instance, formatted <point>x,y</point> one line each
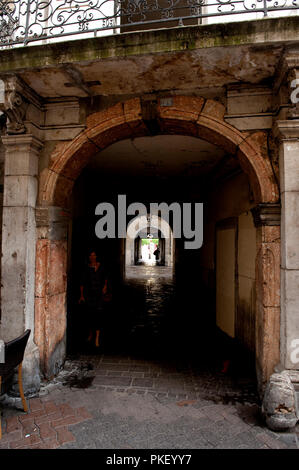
<point>288,134</point>
<point>51,287</point>
<point>18,247</point>
<point>268,298</point>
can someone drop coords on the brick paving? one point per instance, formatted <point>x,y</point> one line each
<point>45,426</point>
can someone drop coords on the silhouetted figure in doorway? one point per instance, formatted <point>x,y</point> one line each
<point>157,254</point>
<point>93,287</point>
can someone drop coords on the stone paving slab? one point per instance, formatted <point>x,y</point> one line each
<point>84,409</point>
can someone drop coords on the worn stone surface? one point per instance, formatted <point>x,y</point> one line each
<point>60,112</point>
<point>20,191</point>
<point>183,57</point>
<point>267,303</point>
<point>19,236</point>
<point>279,403</point>
<point>20,161</point>
<point>287,136</point>
<point>289,318</point>
<point>289,165</point>
<point>289,229</point>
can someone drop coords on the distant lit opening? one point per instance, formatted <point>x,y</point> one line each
<point>150,250</point>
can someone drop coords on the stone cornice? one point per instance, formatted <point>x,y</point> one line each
<point>288,61</point>
<point>10,141</point>
<point>286,130</point>
<point>266,214</point>
<point>267,31</point>
<point>286,75</point>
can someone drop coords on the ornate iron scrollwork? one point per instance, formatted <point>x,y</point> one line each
<point>7,21</point>
<point>25,21</point>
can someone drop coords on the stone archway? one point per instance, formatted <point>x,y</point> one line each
<point>141,224</point>
<point>189,116</point>
<point>182,115</point>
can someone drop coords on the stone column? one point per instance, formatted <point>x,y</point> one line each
<point>51,287</point>
<point>287,133</point>
<point>267,221</point>
<point>18,247</point>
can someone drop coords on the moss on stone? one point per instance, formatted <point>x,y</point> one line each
<point>267,30</point>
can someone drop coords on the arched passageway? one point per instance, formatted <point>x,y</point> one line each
<point>234,182</point>
<point>145,234</point>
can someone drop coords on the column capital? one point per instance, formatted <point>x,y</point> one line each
<point>21,154</point>
<point>45,216</point>
<point>30,140</point>
<point>286,130</point>
<point>52,222</point>
<point>266,214</point>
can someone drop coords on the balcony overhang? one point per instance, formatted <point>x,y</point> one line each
<point>193,57</point>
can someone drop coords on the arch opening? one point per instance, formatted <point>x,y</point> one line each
<point>234,163</point>
<point>145,235</point>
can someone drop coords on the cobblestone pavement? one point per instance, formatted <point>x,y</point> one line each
<point>155,383</point>
<point>117,402</point>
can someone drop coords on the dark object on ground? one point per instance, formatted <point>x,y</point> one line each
<point>14,353</point>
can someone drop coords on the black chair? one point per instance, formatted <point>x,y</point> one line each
<point>14,353</point>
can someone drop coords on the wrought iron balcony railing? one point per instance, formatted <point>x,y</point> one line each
<point>26,21</point>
